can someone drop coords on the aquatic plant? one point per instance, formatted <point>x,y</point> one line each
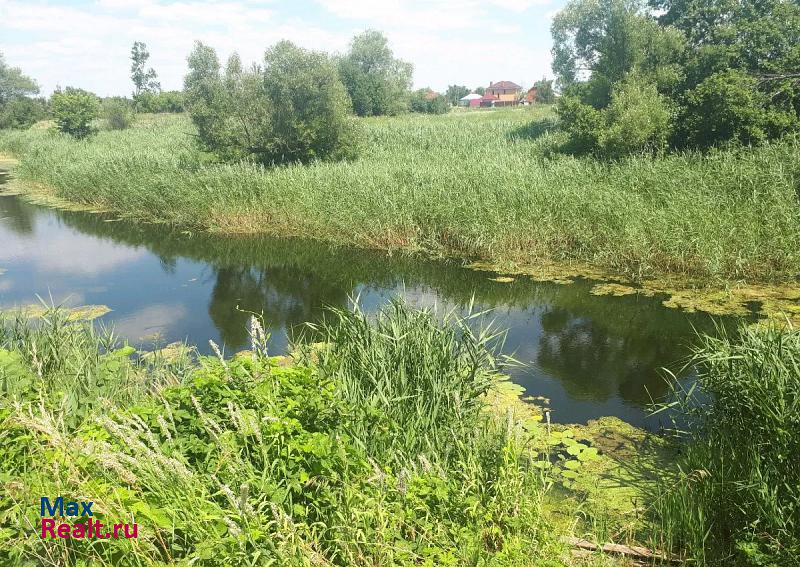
<point>473,184</point>
<point>734,494</point>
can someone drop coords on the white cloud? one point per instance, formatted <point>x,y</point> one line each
<point>449,41</point>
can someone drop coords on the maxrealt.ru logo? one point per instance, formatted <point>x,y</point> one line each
<point>91,529</point>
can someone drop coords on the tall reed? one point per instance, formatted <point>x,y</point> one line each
<point>734,497</point>
<point>482,184</point>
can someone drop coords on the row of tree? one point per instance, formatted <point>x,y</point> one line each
<point>639,77</point>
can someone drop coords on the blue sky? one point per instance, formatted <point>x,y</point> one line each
<point>86,43</point>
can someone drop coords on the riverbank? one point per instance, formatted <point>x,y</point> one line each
<point>481,185</point>
<point>441,463</point>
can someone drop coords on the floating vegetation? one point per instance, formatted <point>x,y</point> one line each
<point>546,271</point>
<point>779,302</point>
<point>82,313</point>
<point>172,352</point>
<point>617,290</point>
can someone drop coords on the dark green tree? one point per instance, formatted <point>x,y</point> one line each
<point>17,109</point>
<point>74,110</point>
<point>293,108</point>
<point>376,81</point>
<point>14,84</point>
<point>429,102</point>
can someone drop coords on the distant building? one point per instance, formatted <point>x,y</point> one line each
<point>507,93</point>
<point>472,100</point>
<point>489,100</point>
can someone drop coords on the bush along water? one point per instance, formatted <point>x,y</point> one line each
<point>327,460</point>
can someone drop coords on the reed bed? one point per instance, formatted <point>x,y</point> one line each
<point>486,185</point>
<point>734,495</point>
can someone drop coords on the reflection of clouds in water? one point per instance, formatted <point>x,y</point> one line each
<point>6,284</point>
<point>152,320</point>
<point>70,253</point>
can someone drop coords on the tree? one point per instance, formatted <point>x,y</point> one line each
<point>480,90</point>
<point>455,93</point>
<point>164,101</point>
<point>22,112</point>
<point>429,102</point>
<point>310,107</point>
<point>13,84</point>
<point>294,108</point>
<point>144,81</point>
<point>544,91</point>
<point>725,70</point>
<point>376,82</point>
<point>757,39</point>
<point>17,110</point>
<point>73,110</point>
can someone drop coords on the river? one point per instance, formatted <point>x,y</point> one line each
<point>590,356</point>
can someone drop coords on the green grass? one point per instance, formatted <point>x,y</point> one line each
<point>734,498</point>
<point>485,185</point>
<point>248,461</point>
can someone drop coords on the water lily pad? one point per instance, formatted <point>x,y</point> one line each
<point>572,465</point>
<point>576,449</point>
<point>589,454</point>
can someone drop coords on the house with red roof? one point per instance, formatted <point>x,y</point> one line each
<point>507,93</point>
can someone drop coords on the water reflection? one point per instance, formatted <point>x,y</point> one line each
<point>591,355</point>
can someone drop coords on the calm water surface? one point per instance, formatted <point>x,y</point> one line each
<point>591,356</point>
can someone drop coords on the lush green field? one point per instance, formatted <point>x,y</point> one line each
<point>473,184</point>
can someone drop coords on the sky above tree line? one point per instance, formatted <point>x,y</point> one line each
<point>86,43</point>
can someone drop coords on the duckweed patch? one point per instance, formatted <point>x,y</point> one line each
<point>82,313</point>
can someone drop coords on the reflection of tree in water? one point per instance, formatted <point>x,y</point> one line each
<point>598,347</point>
<point>286,297</point>
<point>16,215</point>
<point>596,364</point>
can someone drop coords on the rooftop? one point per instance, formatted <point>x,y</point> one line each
<point>504,85</point>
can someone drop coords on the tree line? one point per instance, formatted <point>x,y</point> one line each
<point>646,77</point>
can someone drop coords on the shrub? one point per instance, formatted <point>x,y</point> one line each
<point>428,102</point>
<point>583,123</point>
<point>724,106</point>
<point>164,101</point>
<point>73,110</point>
<point>22,112</point>
<point>117,113</point>
<point>295,109</point>
<point>638,120</point>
